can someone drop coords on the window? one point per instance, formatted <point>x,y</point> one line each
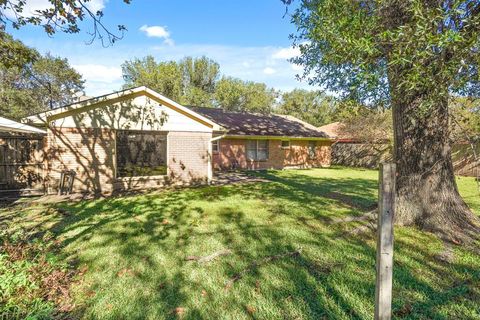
<point>257,150</point>
<point>312,149</point>
<point>141,153</point>
<point>215,146</point>
<point>285,144</point>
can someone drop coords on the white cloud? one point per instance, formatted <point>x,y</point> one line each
<point>286,53</point>
<point>157,32</point>
<point>96,5</point>
<point>99,73</point>
<point>32,6</point>
<point>269,70</point>
<point>100,79</point>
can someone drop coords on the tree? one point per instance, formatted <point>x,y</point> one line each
<point>13,53</point>
<point>190,81</point>
<point>33,85</point>
<point>410,55</point>
<point>163,77</point>
<point>199,76</point>
<point>311,106</point>
<point>53,81</point>
<point>237,95</point>
<point>63,16</point>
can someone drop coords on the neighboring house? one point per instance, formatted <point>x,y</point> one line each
<point>137,138</point>
<point>334,131</point>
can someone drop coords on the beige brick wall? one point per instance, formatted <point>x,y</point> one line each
<point>91,153</point>
<point>232,151</point>
<point>188,156</point>
<point>87,151</point>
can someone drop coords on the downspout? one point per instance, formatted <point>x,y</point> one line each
<point>210,156</point>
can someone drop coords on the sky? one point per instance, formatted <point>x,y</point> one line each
<point>248,38</point>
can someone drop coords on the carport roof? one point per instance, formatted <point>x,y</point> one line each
<point>9,126</point>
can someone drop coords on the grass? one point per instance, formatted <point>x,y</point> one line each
<point>132,252</point>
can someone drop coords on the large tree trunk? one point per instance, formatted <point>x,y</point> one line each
<point>427,194</point>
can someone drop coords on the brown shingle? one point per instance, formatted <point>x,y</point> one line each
<point>252,124</point>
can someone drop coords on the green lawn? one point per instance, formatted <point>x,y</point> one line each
<point>132,252</point>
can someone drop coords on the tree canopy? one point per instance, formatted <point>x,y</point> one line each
<point>195,81</point>
<point>164,77</point>
<point>234,94</point>
<point>348,46</point>
<point>313,107</point>
<point>35,84</point>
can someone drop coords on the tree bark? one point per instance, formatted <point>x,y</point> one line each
<point>427,193</point>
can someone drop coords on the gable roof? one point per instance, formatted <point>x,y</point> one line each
<point>252,124</point>
<point>108,99</point>
<point>7,125</point>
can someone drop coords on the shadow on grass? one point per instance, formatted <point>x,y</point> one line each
<point>135,249</point>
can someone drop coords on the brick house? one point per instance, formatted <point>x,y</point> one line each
<point>137,138</point>
<point>255,141</point>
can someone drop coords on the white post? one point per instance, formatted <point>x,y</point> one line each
<point>386,207</point>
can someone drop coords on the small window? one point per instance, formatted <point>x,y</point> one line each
<point>215,146</point>
<point>285,144</point>
<point>141,153</point>
<point>257,150</point>
<point>312,149</point>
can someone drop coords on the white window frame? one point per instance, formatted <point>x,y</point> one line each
<point>310,155</point>
<point>215,146</point>
<point>256,142</point>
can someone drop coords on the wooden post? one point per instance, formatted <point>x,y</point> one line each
<point>386,207</point>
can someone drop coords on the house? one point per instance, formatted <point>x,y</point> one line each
<point>137,138</point>
<point>335,131</point>
<point>256,141</point>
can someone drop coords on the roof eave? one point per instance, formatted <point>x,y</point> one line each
<point>42,118</point>
<point>259,137</point>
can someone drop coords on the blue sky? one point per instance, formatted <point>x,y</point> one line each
<point>249,38</point>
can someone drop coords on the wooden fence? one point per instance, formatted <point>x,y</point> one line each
<point>367,155</point>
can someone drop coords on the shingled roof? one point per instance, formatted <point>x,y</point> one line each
<point>253,124</point>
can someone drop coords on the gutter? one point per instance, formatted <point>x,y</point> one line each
<point>249,137</point>
<point>218,138</point>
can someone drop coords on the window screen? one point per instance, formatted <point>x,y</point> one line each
<point>312,149</point>
<point>262,149</point>
<point>215,146</point>
<point>257,150</point>
<point>252,149</point>
<point>141,153</point>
